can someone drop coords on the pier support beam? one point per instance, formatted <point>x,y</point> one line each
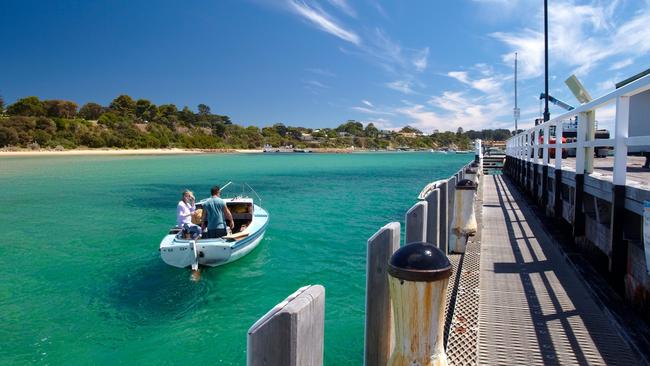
<point>535,186</point>
<point>544,186</point>
<point>578,212</point>
<point>618,245</point>
<point>557,195</point>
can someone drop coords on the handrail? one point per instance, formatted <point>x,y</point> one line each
<point>526,145</point>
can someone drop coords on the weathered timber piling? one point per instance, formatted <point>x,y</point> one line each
<point>416,223</point>
<point>379,325</point>
<point>463,222</point>
<point>419,274</point>
<point>291,333</point>
<point>433,215</point>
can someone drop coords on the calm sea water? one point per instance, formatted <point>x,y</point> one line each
<point>81,281</point>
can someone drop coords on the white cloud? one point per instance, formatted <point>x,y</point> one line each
<point>488,85</point>
<point>621,64</point>
<point>420,59</point>
<point>321,72</point>
<point>607,85</point>
<point>315,83</point>
<point>367,103</point>
<point>403,86</point>
<point>344,7</point>
<point>580,36</point>
<point>372,111</point>
<point>324,21</point>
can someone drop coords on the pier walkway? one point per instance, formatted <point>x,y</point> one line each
<point>534,308</point>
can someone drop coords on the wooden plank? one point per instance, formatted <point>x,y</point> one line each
<point>379,318</point>
<point>291,333</point>
<point>416,223</point>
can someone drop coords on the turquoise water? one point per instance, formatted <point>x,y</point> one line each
<point>82,282</point>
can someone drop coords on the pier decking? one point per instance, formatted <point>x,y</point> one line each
<point>534,308</point>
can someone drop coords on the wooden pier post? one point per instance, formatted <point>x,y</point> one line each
<point>291,333</point>
<point>419,274</point>
<point>416,223</point>
<point>433,214</point>
<point>443,212</point>
<point>379,319</point>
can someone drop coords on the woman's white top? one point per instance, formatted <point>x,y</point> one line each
<point>184,213</point>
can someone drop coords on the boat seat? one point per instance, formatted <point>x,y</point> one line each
<point>242,216</point>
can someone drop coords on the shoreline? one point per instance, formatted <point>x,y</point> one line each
<point>125,152</point>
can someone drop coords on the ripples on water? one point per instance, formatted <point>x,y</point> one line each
<point>83,282</point>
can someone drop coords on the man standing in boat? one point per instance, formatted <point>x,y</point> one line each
<point>215,216</point>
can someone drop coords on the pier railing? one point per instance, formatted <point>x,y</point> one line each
<point>605,214</point>
<point>526,146</point>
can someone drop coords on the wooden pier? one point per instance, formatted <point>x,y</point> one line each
<point>514,296</point>
<point>534,309</point>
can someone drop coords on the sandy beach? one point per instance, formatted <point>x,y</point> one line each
<point>123,152</point>
<point>116,152</point>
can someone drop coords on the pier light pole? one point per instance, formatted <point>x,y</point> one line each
<point>547,114</point>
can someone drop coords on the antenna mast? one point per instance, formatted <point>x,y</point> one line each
<point>516,110</point>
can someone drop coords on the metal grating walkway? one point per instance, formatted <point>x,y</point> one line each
<point>533,308</point>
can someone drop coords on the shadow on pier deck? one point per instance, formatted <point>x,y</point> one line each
<point>534,308</point>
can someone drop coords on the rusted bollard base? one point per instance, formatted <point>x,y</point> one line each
<point>419,310</point>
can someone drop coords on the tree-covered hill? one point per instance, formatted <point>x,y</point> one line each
<point>129,123</point>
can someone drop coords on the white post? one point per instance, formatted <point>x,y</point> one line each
<point>590,135</point>
<point>580,150</point>
<point>536,145</point>
<point>547,141</point>
<point>620,140</point>
<point>558,146</point>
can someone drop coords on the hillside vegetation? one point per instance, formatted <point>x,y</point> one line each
<point>129,123</point>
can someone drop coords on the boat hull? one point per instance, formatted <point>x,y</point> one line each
<point>212,253</point>
<point>183,253</point>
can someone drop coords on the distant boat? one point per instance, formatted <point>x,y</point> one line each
<point>301,150</point>
<point>250,225</point>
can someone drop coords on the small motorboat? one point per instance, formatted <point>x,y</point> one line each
<point>179,250</point>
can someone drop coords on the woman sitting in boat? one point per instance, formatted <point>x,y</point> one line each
<point>184,212</point>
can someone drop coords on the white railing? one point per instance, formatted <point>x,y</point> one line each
<point>523,144</point>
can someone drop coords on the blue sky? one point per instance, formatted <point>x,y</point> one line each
<point>316,63</point>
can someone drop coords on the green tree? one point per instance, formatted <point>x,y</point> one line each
<point>123,105</point>
<point>409,129</point>
<point>167,110</point>
<point>371,130</point>
<point>60,108</point>
<point>8,136</point>
<point>2,105</point>
<point>91,111</point>
<point>30,106</point>
<point>459,131</point>
<point>204,110</point>
<point>145,110</point>
<point>186,115</point>
<point>352,127</point>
